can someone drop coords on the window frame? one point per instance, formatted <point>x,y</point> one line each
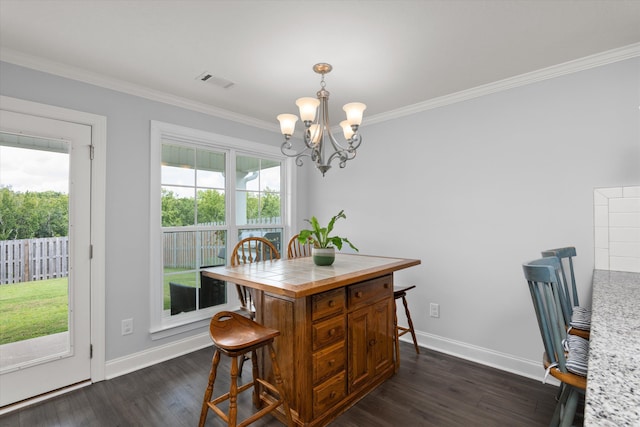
<point>160,325</point>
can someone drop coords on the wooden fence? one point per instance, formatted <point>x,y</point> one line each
<point>180,249</point>
<point>33,259</point>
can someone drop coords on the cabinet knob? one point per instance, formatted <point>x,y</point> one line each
<point>372,343</point>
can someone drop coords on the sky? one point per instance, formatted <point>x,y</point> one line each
<point>33,170</point>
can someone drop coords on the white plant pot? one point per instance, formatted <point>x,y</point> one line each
<point>323,256</point>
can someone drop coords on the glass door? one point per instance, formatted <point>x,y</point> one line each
<point>45,175</point>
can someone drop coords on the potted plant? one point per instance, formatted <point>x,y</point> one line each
<point>323,245</point>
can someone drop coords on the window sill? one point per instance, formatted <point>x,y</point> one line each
<point>182,323</point>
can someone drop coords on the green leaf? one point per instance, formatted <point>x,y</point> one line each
<point>320,235</point>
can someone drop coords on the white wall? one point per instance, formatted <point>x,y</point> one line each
<point>474,189</point>
<point>127,198</point>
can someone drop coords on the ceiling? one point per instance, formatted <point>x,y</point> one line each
<point>387,54</point>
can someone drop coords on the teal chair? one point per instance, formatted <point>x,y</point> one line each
<point>565,356</point>
<point>578,318</point>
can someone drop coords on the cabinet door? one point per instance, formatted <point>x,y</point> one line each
<point>380,335</point>
<point>358,348</point>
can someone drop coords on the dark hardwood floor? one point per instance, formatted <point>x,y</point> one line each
<point>431,389</point>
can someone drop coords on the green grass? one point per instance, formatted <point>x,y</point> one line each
<point>33,309</point>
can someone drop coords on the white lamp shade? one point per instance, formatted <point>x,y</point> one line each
<point>308,107</point>
<point>354,112</point>
<point>287,123</point>
<point>314,131</point>
<point>346,129</point>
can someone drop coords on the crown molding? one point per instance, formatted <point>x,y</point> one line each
<point>592,61</point>
<point>82,75</point>
<point>75,73</point>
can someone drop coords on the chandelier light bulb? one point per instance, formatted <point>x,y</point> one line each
<point>346,129</point>
<point>354,112</point>
<point>308,107</point>
<point>314,132</point>
<point>287,123</point>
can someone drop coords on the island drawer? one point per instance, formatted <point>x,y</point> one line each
<point>369,291</point>
<point>329,393</point>
<point>329,332</point>
<point>327,303</point>
<point>328,362</point>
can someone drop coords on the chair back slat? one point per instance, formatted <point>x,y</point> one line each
<point>544,287</point>
<point>565,255</point>
<point>253,249</point>
<point>296,249</point>
<point>248,251</point>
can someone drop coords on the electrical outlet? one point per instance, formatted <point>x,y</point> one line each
<point>127,326</point>
<point>434,310</point>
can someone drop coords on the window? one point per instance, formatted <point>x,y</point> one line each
<point>258,201</point>
<point>208,192</point>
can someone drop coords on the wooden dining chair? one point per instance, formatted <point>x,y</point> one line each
<point>565,356</point>
<point>578,318</point>
<point>248,251</point>
<point>295,249</point>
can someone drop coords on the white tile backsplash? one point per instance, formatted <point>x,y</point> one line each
<point>601,216</point>
<point>601,237</point>
<point>616,219</point>
<point>631,191</point>
<point>625,204</point>
<point>624,219</point>
<point>624,234</point>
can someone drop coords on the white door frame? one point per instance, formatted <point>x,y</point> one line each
<point>98,126</point>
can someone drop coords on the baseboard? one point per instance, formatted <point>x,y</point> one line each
<point>133,362</point>
<point>484,356</point>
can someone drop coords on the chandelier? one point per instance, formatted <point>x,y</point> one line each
<point>318,138</point>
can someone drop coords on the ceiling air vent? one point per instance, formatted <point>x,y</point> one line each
<point>216,81</point>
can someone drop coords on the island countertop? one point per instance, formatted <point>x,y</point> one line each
<point>300,277</point>
<point>613,379</point>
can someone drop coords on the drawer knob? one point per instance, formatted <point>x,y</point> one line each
<point>332,303</point>
<point>332,395</point>
<point>359,294</point>
<point>386,286</point>
<point>332,362</point>
<point>332,332</point>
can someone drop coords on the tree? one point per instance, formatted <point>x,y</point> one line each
<point>33,215</point>
<point>270,205</point>
<point>211,207</point>
<point>176,211</point>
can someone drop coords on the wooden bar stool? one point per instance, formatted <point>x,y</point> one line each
<point>401,292</point>
<point>235,335</point>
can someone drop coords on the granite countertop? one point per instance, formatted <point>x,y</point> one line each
<point>613,380</point>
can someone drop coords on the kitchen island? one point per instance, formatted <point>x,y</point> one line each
<point>336,325</point>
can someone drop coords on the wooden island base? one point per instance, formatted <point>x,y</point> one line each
<point>336,328</point>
